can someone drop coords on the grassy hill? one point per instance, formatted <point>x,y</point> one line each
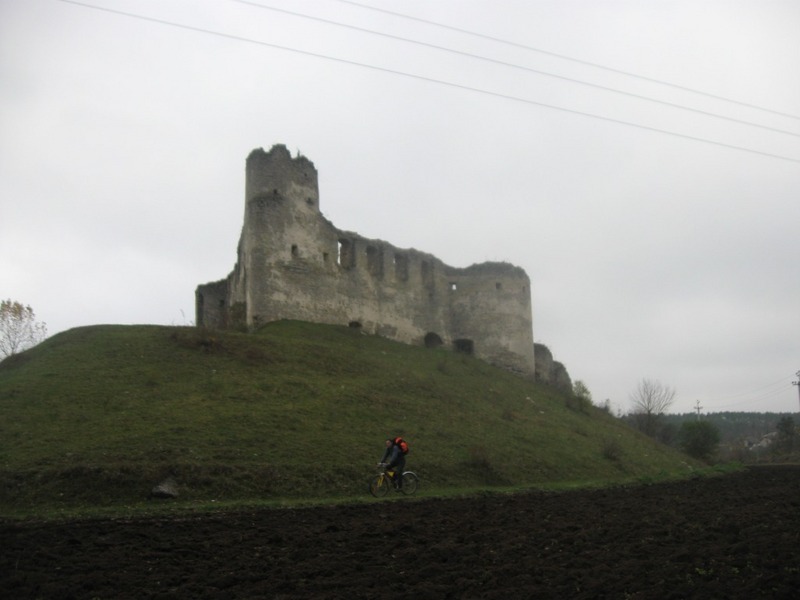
<point>97,416</point>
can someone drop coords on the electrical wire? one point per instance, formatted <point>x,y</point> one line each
<point>430,80</point>
<point>570,58</point>
<point>752,401</point>
<point>516,66</point>
<point>753,396</point>
<point>780,381</point>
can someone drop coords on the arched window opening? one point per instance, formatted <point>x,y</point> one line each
<point>432,340</point>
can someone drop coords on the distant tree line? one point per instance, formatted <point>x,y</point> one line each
<point>734,427</point>
<point>742,436</point>
<point>724,436</point>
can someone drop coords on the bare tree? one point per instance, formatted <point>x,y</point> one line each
<point>650,399</point>
<point>18,328</point>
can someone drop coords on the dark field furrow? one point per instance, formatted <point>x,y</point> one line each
<point>736,536</point>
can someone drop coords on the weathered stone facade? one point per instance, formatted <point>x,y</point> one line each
<point>294,264</point>
<point>550,371</point>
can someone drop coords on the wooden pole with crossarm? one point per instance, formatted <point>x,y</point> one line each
<point>797,383</point>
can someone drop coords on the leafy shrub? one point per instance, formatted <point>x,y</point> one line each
<point>699,439</point>
<point>612,450</point>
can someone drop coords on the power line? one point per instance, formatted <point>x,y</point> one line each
<point>430,80</point>
<point>781,381</point>
<point>752,396</point>
<point>750,402</point>
<point>571,59</point>
<point>517,66</point>
<point>753,399</point>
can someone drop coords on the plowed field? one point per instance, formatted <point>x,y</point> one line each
<point>736,536</point>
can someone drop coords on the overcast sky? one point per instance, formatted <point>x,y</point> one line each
<point>640,160</point>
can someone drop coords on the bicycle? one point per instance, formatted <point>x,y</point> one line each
<point>380,485</point>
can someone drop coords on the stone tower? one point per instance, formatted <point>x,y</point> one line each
<point>294,264</point>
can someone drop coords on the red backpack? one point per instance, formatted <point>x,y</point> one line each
<point>398,441</point>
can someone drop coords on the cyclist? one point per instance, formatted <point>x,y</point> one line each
<point>395,460</point>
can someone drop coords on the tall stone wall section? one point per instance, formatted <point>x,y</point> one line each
<point>294,264</point>
<point>550,371</point>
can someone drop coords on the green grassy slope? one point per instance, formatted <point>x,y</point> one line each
<point>98,415</point>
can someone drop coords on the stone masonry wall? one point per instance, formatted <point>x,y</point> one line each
<point>294,264</point>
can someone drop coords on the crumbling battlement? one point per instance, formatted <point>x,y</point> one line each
<point>294,264</point>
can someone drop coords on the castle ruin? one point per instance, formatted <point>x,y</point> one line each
<point>294,264</point>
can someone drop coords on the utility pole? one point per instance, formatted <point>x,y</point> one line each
<point>698,407</point>
<point>797,383</point>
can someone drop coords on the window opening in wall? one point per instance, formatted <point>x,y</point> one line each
<point>354,325</point>
<point>294,250</point>
<point>310,201</point>
<point>325,257</point>
<point>463,345</point>
<point>401,267</point>
<point>345,257</point>
<point>432,340</point>
<point>453,286</point>
<point>374,261</point>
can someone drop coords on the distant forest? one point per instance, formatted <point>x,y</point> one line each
<point>743,436</point>
<point>734,427</point>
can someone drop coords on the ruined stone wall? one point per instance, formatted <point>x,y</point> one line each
<point>550,371</point>
<point>294,264</point>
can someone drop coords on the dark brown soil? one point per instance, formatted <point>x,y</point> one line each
<point>736,536</point>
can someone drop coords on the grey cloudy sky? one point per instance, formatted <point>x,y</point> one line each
<point>661,242</point>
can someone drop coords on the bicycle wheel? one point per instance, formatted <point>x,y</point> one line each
<point>379,486</point>
<point>410,482</point>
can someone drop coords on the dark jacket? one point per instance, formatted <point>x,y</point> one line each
<point>394,458</point>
